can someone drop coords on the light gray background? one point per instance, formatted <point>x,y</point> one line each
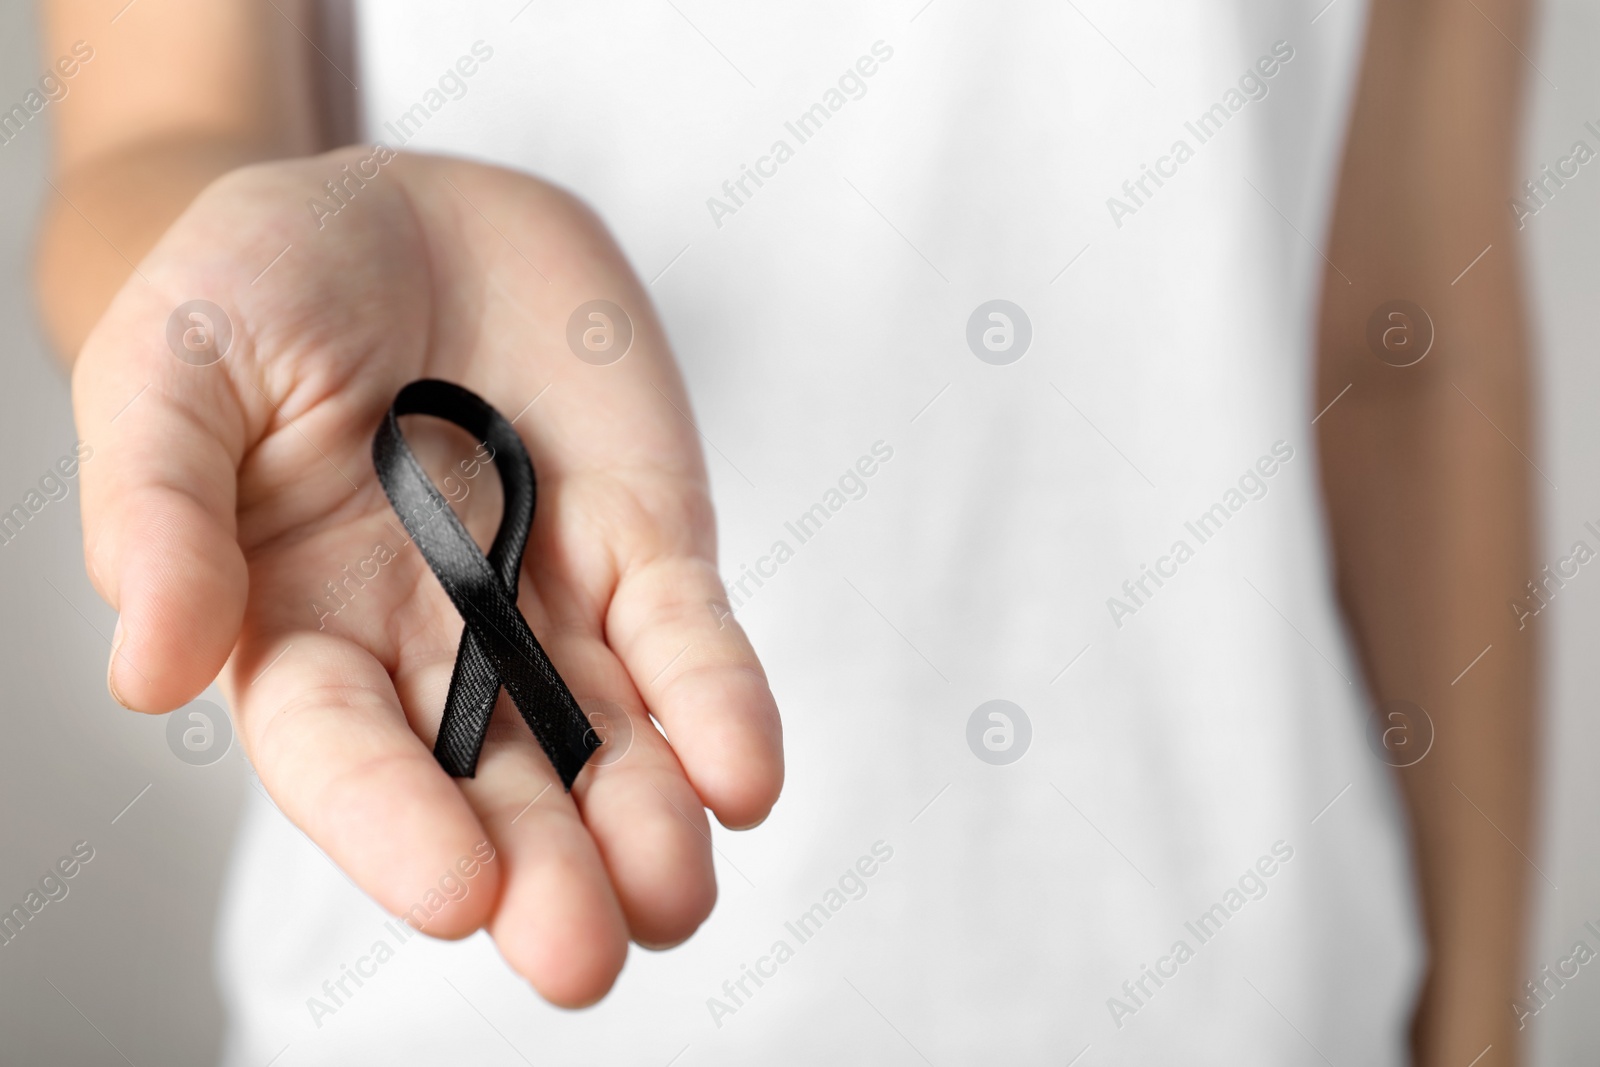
<point>1563,282</point>
<point>120,971</point>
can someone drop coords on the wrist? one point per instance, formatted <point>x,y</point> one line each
<point>106,212</point>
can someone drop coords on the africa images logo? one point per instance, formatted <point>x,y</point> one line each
<point>851,85</point>
<point>851,885</point>
<point>1253,85</point>
<point>199,332</point>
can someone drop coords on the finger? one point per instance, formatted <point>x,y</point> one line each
<point>558,923</point>
<point>669,623</point>
<point>636,861</point>
<point>646,819</point>
<point>163,439</point>
<point>322,723</point>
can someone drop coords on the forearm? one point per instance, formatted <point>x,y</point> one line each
<point>1430,487</point>
<point>1427,564</point>
<point>172,99</point>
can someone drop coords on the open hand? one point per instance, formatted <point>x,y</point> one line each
<point>224,499</point>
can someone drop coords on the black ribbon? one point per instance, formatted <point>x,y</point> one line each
<point>497,648</point>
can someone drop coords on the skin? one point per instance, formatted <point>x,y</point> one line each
<point>1428,489</point>
<point>210,484</point>
<point>221,498</point>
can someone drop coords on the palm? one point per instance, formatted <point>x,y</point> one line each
<point>338,665</point>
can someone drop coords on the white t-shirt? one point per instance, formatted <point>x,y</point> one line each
<point>1173,843</point>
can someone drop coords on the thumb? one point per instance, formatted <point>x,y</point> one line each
<point>162,435</point>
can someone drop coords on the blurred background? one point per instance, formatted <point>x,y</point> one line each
<point>120,970</point>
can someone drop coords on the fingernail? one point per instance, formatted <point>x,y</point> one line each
<point>749,826</point>
<point>111,667</point>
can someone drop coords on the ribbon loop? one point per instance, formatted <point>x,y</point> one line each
<point>497,647</point>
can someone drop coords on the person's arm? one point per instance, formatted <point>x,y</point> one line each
<point>1429,483</point>
<point>216,503</point>
<point>176,94</point>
